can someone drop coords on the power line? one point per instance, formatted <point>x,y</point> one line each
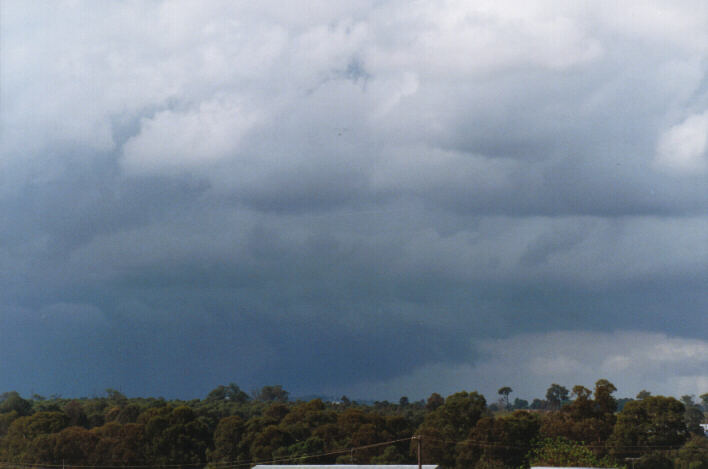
<point>237,464</point>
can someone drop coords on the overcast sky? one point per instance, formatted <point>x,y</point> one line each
<point>370,198</point>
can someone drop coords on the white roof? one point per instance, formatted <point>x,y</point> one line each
<point>345,466</point>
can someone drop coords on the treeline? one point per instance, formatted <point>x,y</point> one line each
<point>578,427</point>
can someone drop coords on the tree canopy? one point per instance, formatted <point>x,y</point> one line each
<point>229,427</point>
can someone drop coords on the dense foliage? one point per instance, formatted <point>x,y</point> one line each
<point>577,427</point>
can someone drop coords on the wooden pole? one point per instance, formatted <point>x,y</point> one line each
<point>420,451</point>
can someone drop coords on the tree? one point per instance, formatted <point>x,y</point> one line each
<point>582,407</point>
<point>272,393</point>
<point>643,394</point>
<point>653,422</point>
<point>6,420</point>
<point>304,418</point>
<point>74,445</point>
<point>520,404</point>
<point>267,442</point>
<point>391,455</point>
<point>17,445</point>
<point>449,424</point>
<point>506,439</point>
<point>704,401</point>
<point>586,419</point>
<point>693,455</point>
<point>12,401</point>
<point>119,445</point>
<point>227,439</point>
<point>75,411</point>
<point>604,402</point>
<point>693,415</point>
<point>654,460</point>
<point>236,394</point>
<point>230,393</point>
<point>116,397</point>
<point>176,436</point>
<point>538,404</point>
<point>505,391</point>
<point>128,414</point>
<point>562,452</point>
<point>556,395</point>
<point>434,401</point>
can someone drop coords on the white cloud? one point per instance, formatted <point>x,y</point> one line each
<point>458,38</point>
<point>177,141</point>
<point>682,148</point>
<point>529,363</point>
<point>446,145</point>
<point>682,24</point>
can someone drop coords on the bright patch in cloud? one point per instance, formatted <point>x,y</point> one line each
<point>175,140</point>
<point>529,363</point>
<point>682,148</point>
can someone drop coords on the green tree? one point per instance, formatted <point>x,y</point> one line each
<point>267,442</point>
<point>538,404</point>
<point>391,455</point>
<point>586,419</point>
<point>582,407</point>
<point>231,393</point>
<point>504,392</point>
<point>605,403</point>
<point>177,437</point>
<point>116,397</point>
<point>556,395</point>
<point>653,460</point>
<point>6,420</point>
<point>12,401</point>
<point>272,393</point>
<point>128,414</point>
<point>17,445</point>
<point>227,440</point>
<point>75,446</point>
<point>563,452</point>
<point>449,424</point>
<point>520,404</point>
<point>434,401</point>
<point>693,415</point>
<point>693,455</point>
<point>704,401</point>
<point>120,445</point>
<point>653,422</point>
<point>75,412</point>
<point>506,439</point>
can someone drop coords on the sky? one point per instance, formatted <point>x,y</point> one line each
<point>365,198</point>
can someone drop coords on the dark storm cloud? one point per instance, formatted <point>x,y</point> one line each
<point>354,198</point>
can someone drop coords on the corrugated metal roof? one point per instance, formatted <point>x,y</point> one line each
<point>346,466</point>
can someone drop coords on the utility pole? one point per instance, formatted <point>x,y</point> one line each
<point>419,442</point>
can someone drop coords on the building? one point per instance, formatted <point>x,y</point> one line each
<point>346,466</point>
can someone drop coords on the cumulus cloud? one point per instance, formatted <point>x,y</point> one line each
<point>368,171</point>
<point>529,363</point>
<point>181,141</point>
<point>682,148</point>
